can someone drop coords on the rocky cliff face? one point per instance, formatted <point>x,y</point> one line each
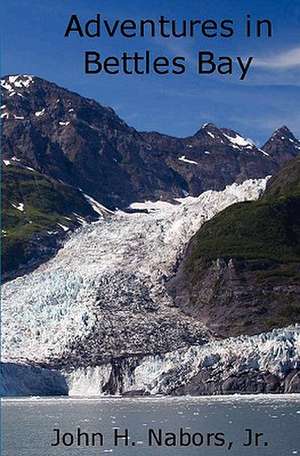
<point>282,146</point>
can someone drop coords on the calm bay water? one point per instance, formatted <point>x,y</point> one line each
<point>27,425</point>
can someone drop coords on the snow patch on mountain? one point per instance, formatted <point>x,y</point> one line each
<point>186,160</point>
<point>98,207</point>
<point>17,81</point>
<point>39,113</point>
<point>239,141</point>
<point>19,206</point>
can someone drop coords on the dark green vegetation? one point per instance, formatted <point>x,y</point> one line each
<point>241,272</point>
<point>268,228</point>
<point>33,206</point>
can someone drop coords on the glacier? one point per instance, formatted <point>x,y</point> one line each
<point>99,312</point>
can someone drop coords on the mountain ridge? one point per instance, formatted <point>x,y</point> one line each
<point>82,144</point>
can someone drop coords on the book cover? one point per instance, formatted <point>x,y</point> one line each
<point>150,223</point>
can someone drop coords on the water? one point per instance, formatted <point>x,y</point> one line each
<point>28,424</point>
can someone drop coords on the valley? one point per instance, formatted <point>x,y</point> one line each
<point>137,263</point>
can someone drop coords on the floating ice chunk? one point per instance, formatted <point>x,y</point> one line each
<point>207,152</point>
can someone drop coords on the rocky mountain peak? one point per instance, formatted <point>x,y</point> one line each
<point>283,133</point>
<point>209,133</point>
<point>207,128</point>
<point>282,145</point>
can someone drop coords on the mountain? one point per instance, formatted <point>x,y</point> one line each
<point>78,141</point>
<point>212,158</point>
<point>282,146</point>
<point>86,145</point>
<point>196,292</point>
<point>240,273</point>
<point>80,147</point>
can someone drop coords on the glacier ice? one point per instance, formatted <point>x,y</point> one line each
<point>110,274</point>
<point>101,302</point>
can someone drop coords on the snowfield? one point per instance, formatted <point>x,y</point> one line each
<point>103,293</point>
